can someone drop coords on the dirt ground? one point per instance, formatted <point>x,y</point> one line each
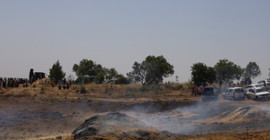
<point>37,113</point>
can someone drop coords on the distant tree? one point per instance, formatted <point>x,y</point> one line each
<point>90,69</point>
<point>99,78</point>
<point>151,71</point>
<point>56,72</point>
<point>138,74</point>
<point>120,79</point>
<point>251,71</point>
<point>110,74</point>
<point>245,78</point>
<point>201,74</point>
<point>227,70</point>
<point>86,67</point>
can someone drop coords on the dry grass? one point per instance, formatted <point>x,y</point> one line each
<point>133,91</point>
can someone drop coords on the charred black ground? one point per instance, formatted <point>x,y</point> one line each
<point>34,117</point>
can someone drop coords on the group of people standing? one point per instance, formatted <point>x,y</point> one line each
<point>12,82</point>
<point>197,90</point>
<point>62,83</point>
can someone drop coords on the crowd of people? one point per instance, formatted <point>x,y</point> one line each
<point>13,82</point>
<point>7,82</point>
<point>197,90</point>
<point>62,84</point>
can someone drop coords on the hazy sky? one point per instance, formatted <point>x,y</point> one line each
<point>116,33</point>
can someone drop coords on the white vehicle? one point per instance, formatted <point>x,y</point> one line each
<point>252,86</point>
<point>257,93</point>
<point>265,84</point>
<point>234,93</point>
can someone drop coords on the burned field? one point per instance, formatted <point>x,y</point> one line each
<point>198,118</point>
<point>39,118</point>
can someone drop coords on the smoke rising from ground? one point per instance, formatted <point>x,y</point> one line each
<point>203,117</point>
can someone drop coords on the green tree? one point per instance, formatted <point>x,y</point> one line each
<point>120,79</point>
<point>227,70</point>
<point>86,67</point>
<point>138,74</point>
<point>99,78</point>
<point>56,72</point>
<point>151,71</point>
<point>110,74</point>
<point>201,74</point>
<point>251,71</point>
<point>89,69</point>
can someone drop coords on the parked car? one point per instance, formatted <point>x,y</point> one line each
<point>234,93</point>
<point>252,86</point>
<point>257,93</point>
<point>210,93</point>
<point>264,82</point>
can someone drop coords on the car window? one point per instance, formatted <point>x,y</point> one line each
<point>208,89</point>
<point>239,90</point>
<point>251,90</point>
<point>260,90</point>
<point>230,90</point>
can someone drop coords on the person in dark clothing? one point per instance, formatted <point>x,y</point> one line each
<point>220,84</point>
<point>67,85</point>
<point>31,76</point>
<point>5,83</point>
<point>59,86</point>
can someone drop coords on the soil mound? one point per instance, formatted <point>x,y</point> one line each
<point>117,125</point>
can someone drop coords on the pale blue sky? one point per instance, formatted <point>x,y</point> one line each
<point>116,33</point>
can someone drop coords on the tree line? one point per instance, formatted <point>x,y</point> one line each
<point>225,71</point>
<point>153,70</point>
